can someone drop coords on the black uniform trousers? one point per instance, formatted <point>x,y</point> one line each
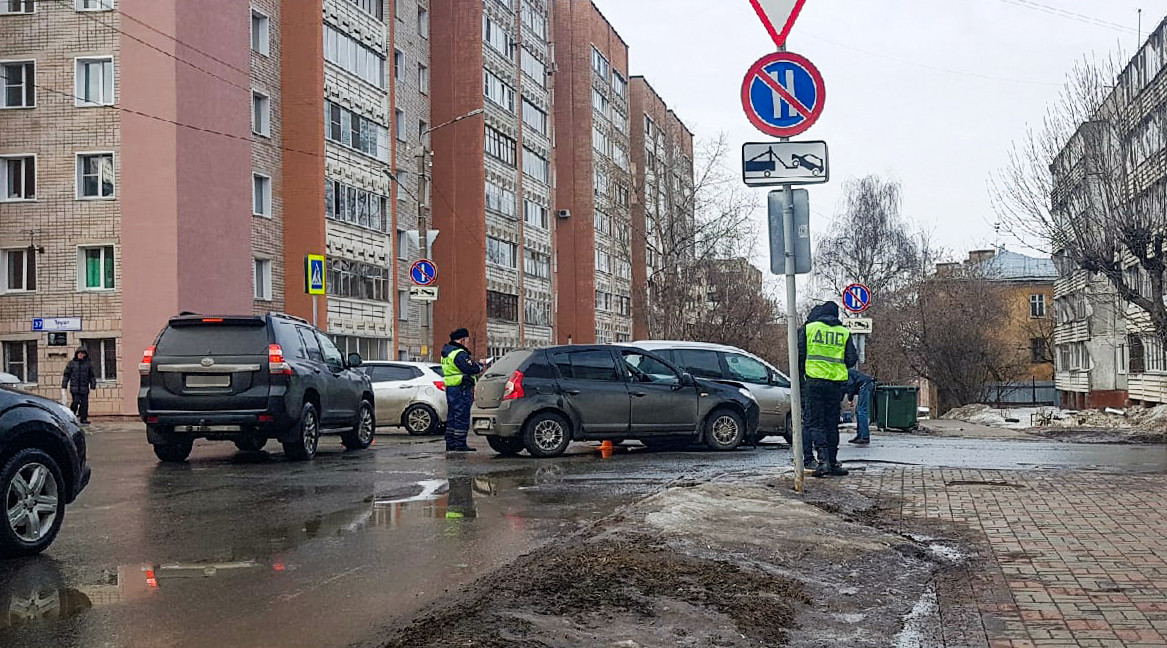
<point>822,406</point>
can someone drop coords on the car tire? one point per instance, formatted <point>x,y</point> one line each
<point>173,450</point>
<point>724,430</point>
<point>505,446</point>
<point>251,444</point>
<point>31,483</point>
<point>420,420</point>
<point>307,435</point>
<point>788,433</point>
<point>546,435</point>
<point>361,436</point>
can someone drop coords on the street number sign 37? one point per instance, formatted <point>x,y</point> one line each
<point>783,94</point>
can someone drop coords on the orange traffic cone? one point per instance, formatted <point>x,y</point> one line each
<point>606,445</point>
<point>606,449</point>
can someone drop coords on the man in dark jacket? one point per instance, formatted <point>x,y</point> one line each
<point>79,379</point>
<point>825,352</point>
<point>459,370</point>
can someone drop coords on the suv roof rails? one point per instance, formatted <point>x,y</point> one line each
<point>290,317</point>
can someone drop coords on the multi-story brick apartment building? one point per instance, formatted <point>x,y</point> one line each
<point>493,172</point>
<point>593,160</point>
<point>663,218</point>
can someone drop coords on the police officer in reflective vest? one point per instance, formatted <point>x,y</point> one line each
<point>459,370</point>
<point>825,352</point>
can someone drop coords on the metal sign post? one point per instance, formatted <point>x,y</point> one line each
<point>792,340</point>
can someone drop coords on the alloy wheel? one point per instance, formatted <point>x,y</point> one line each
<point>725,429</point>
<point>419,420</point>
<point>367,428</point>
<point>548,435</point>
<point>311,433</point>
<point>31,502</point>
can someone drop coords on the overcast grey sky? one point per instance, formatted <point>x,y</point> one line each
<point>929,91</point>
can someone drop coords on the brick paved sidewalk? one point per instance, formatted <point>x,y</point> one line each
<point>1071,559</point>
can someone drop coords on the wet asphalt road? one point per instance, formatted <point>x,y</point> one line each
<point>248,550</point>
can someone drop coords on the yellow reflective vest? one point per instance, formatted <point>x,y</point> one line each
<point>826,350</point>
<point>453,375</point>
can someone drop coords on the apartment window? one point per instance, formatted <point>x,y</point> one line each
<point>600,103</point>
<point>535,214</point>
<point>500,147</point>
<point>423,23</point>
<point>602,222</point>
<point>423,131</point>
<point>375,8</point>
<point>620,155</point>
<point>262,279</point>
<point>103,355</point>
<point>355,206</point>
<point>619,85</point>
<point>260,32</point>
<point>18,83</point>
<point>535,118</point>
<point>260,195</point>
<point>353,56</point>
<point>600,64</point>
<point>368,348</point>
<point>357,280</point>
<point>18,176</point>
<point>622,195</point>
<point>17,6</point>
<point>602,184</point>
<point>1122,359</point>
<point>1038,351</point>
<point>536,166</point>
<point>534,68</point>
<point>402,245</point>
<point>95,268</point>
<point>603,262</point>
<point>534,20</point>
<point>20,360</point>
<point>501,306</point>
<point>501,253</point>
<point>500,200</point>
<point>536,264</point>
<point>600,141</point>
<point>260,114</point>
<point>423,78</point>
<point>1037,306</point>
<point>94,81</point>
<point>354,131</point>
<point>399,124</point>
<point>95,175</point>
<point>1153,357</point>
<point>94,5</point>
<point>398,65</point>
<point>538,312</point>
<point>19,268</point>
<point>498,38</point>
<point>403,305</point>
<point>498,91</point>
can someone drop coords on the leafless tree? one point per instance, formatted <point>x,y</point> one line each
<point>870,242</point>
<point>946,328</point>
<point>1082,186</point>
<point>702,225</point>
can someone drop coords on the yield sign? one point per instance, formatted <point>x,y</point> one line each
<point>778,16</point>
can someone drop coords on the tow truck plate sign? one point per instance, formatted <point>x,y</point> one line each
<point>767,164</point>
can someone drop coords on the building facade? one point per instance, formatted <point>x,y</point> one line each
<point>663,218</point>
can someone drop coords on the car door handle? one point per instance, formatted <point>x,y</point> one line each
<point>406,387</point>
<point>572,392</point>
<point>640,394</point>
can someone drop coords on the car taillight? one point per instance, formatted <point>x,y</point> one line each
<point>514,388</point>
<point>276,364</point>
<point>147,359</point>
<point>440,384</point>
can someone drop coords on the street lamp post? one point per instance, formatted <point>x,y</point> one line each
<point>424,156</point>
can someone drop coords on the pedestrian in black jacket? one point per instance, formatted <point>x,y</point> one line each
<point>79,379</point>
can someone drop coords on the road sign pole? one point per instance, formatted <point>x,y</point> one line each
<point>314,310</point>
<point>792,340</point>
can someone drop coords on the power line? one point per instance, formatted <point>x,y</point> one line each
<point>1071,15</point>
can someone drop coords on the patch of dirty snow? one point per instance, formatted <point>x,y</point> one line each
<point>916,623</point>
<point>951,554</point>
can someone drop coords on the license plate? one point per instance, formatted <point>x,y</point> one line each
<point>482,424</point>
<point>205,381</point>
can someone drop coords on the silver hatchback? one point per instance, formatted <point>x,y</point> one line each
<point>770,387</point>
<point>411,395</point>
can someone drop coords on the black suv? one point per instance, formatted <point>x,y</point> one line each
<point>247,379</point>
<point>542,400</point>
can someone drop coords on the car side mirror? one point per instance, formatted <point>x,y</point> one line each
<point>354,360</point>
<point>686,380</point>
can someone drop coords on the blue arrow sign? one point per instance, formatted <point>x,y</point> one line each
<point>856,298</point>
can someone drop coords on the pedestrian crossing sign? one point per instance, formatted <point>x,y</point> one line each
<point>314,274</point>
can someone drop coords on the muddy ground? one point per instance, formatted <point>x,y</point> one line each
<point>737,562</point>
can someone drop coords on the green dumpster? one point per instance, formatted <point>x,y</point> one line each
<point>894,407</point>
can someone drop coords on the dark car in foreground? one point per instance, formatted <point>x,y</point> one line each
<point>543,399</point>
<point>248,379</point>
<point>42,468</point>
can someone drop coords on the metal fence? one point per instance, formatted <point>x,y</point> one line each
<point>1033,393</point>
